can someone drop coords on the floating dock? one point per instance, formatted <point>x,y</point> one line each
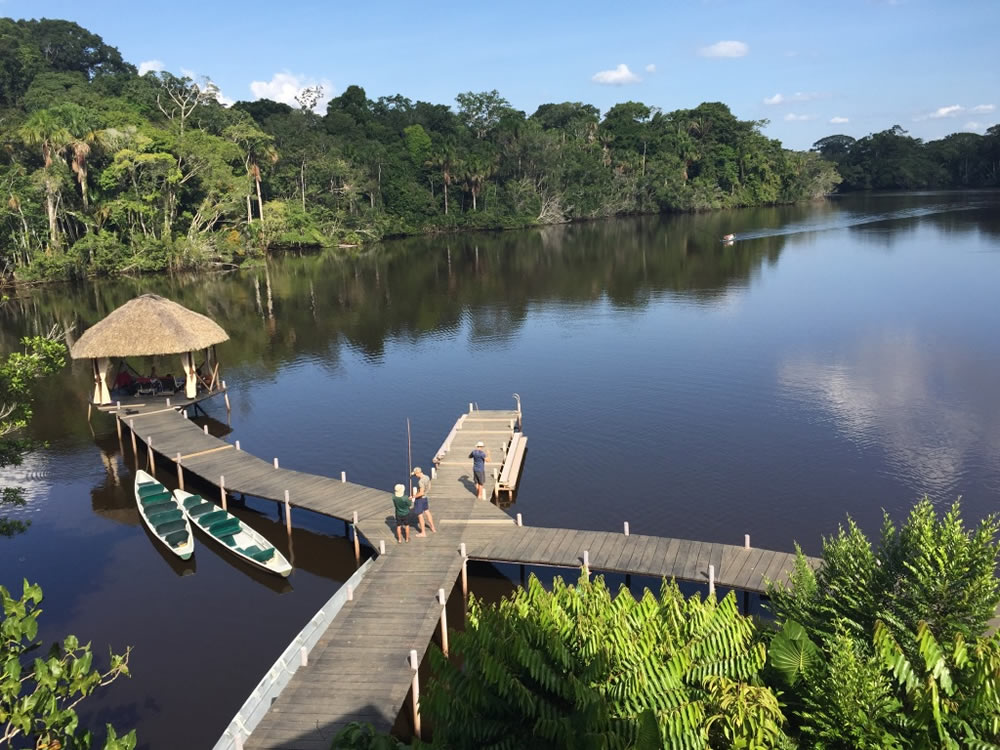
<point>362,663</point>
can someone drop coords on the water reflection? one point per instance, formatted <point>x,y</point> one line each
<point>887,394</point>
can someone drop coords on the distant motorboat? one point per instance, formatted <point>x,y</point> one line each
<point>728,237</point>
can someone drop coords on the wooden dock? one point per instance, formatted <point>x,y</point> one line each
<point>359,668</point>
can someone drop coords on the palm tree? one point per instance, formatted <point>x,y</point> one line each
<point>446,162</point>
<point>44,129</point>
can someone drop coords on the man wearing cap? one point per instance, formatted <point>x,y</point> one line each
<point>401,505</point>
<point>420,501</point>
<point>479,458</point>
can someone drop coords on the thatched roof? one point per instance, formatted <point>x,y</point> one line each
<point>145,326</point>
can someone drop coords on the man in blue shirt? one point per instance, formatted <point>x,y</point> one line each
<point>479,458</point>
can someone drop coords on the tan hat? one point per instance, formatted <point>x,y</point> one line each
<point>480,444</point>
<point>400,489</point>
<point>416,470</point>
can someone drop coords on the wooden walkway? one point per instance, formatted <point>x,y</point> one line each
<point>358,671</point>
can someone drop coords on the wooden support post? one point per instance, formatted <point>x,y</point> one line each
<point>118,405</point>
<point>237,445</point>
<point>222,492</point>
<point>150,461</point>
<point>470,407</point>
<point>381,546</point>
<point>746,541</point>
<point>303,657</point>
<point>711,580</point>
<point>415,689</point>
<point>434,472</point>
<point>206,429</point>
<point>626,528</point>
<point>168,400</point>
<point>343,476</point>
<point>357,543</point>
<point>288,514</point>
<point>465,570</point>
<point>350,593</point>
<point>135,451</point>
<point>444,621</point>
<point>180,472</point>
<point>519,522</point>
<point>586,562</point>
<point>225,397</point>
<point>275,462</point>
<point>90,408</point>
<point>184,413</point>
<point>118,426</point>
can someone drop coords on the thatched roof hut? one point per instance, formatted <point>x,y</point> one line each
<point>146,326</point>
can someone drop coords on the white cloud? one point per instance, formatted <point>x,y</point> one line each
<point>798,96</point>
<point>617,77</point>
<point>982,108</point>
<point>792,117</point>
<point>725,49</point>
<point>284,87</point>
<point>952,110</point>
<point>651,68</point>
<point>838,120</point>
<point>147,66</point>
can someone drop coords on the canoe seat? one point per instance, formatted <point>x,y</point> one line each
<point>229,541</point>
<point>212,518</point>
<point>156,498</point>
<point>177,538</point>
<point>192,500</point>
<point>146,484</point>
<point>145,490</point>
<point>225,528</point>
<point>170,527</point>
<point>200,510</point>
<point>158,507</point>
<point>258,554</point>
<point>165,517</point>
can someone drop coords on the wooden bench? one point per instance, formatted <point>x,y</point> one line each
<point>511,470</point>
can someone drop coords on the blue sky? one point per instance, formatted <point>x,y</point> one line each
<point>865,65</point>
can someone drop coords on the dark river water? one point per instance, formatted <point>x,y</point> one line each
<point>840,358</point>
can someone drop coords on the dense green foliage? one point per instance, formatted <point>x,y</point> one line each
<point>577,668</point>
<point>104,171</point>
<point>38,694</point>
<point>894,160</point>
<point>42,355</point>
<point>884,648</point>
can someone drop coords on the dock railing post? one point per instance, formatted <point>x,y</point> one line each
<point>168,400</point>
<point>237,445</point>
<point>275,462</point>
<point>519,521</point>
<point>288,514</point>
<point>131,428</point>
<point>180,472</point>
<point>746,541</point>
<point>343,476</point>
<point>711,580</point>
<point>350,593</point>
<point>381,546</point>
<point>465,570</point>
<point>150,461</point>
<point>626,528</point>
<point>205,428</point>
<point>304,657</point>
<point>222,492</point>
<point>415,666</point>
<point>586,562</point>
<point>118,425</point>
<point>444,621</point>
<point>357,543</point>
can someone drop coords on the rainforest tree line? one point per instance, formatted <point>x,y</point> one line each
<point>104,171</point>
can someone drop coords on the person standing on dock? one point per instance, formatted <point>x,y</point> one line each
<point>421,504</point>
<point>479,458</point>
<point>401,505</point>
